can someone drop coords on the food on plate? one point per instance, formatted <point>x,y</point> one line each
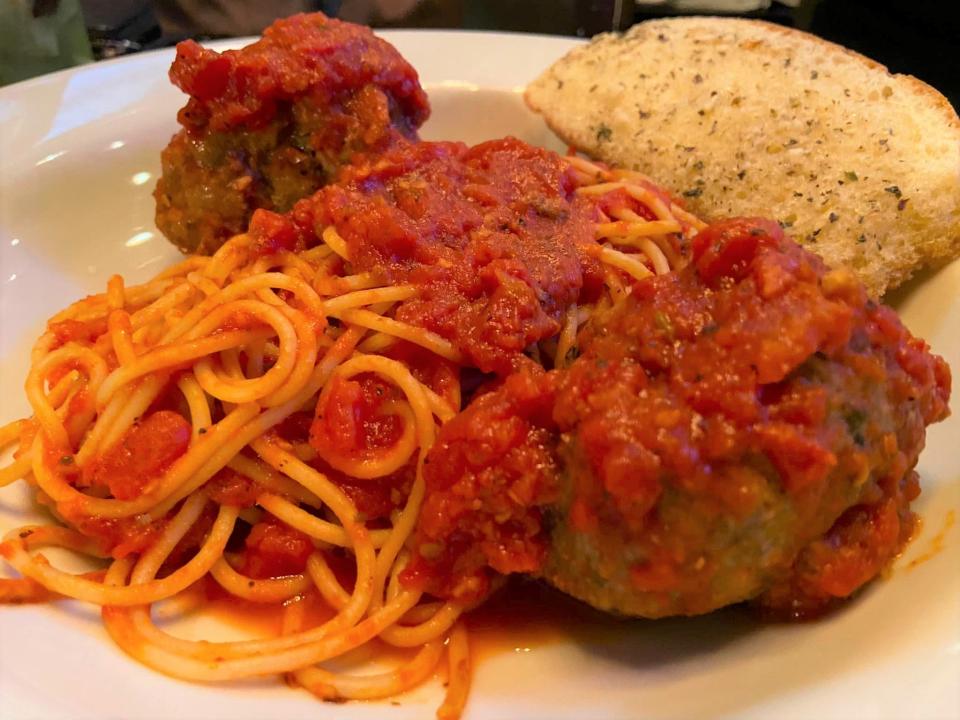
<point>494,236</point>
<point>441,366</point>
<point>743,428</point>
<point>742,117</point>
<point>256,423</point>
<point>270,123</point>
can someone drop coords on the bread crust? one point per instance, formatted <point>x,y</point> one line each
<point>899,211</point>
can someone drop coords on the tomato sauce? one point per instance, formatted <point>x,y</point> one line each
<point>262,620</point>
<point>65,331</point>
<point>374,498</point>
<point>274,549</point>
<point>438,374</point>
<point>228,487</point>
<point>350,422</point>
<point>937,543</point>
<point>489,473</point>
<point>494,237</point>
<point>268,124</point>
<point>120,536</point>
<point>301,54</point>
<point>141,456</point>
<point>752,379</point>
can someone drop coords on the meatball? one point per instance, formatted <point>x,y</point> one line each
<point>270,123</point>
<point>743,429</point>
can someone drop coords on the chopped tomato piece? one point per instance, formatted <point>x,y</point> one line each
<point>274,549</point>
<point>141,456</point>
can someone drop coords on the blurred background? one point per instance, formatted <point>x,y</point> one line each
<point>920,37</point>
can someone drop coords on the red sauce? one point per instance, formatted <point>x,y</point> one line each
<point>857,547</point>
<point>76,331</point>
<point>523,617</point>
<point>438,374</point>
<point>936,544</point>
<point>300,55</point>
<point>264,620</point>
<point>493,235</point>
<point>120,536</point>
<point>489,473</point>
<point>261,620</point>
<point>141,456</point>
<point>350,424</point>
<point>274,549</point>
<point>228,487</point>
<point>375,498</point>
<point>699,385</point>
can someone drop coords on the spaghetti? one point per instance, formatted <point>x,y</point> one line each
<point>160,441</point>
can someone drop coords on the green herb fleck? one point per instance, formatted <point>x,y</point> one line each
<point>893,190</point>
<point>604,133</point>
<point>663,322</point>
<point>855,420</point>
<point>66,460</point>
<point>850,176</point>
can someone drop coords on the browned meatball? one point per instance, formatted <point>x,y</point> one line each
<point>744,428</point>
<point>270,123</point>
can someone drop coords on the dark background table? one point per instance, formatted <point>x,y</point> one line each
<point>920,37</point>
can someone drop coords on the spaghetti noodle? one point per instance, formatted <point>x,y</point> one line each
<point>160,441</point>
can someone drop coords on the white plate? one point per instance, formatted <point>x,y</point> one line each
<point>79,154</point>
